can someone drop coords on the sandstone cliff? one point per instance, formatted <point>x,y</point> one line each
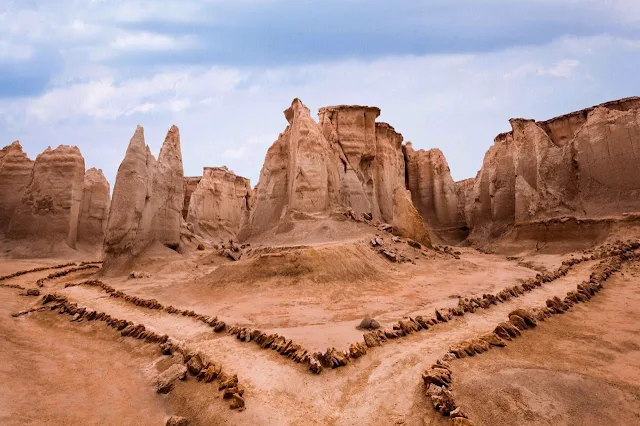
<point>50,206</point>
<point>347,160</point>
<point>434,192</point>
<point>220,204</point>
<point>148,198</point>
<point>15,174</point>
<point>583,164</point>
<point>94,210</point>
<point>190,185</point>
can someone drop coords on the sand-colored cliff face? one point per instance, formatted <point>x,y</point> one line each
<point>94,210</point>
<point>220,204</point>
<point>148,197</point>
<point>50,206</point>
<point>15,174</point>
<point>583,164</point>
<point>190,185</point>
<point>345,161</point>
<point>434,192</point>
<point>299,173</point>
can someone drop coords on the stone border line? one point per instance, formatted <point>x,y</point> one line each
<point>437,379</point>
<point>195,363</point>
<point>333,358</point>
<point>46,268</point>
<point>60,274</point>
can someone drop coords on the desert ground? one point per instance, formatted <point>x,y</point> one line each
<point>581,367</point>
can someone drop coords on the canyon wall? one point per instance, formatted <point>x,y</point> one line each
<point>220,203</point>
<point>50,206</point>
<point>148,198</point>
<point>94,210</point>
<point>583,165</point>
<point>347,160</point>
<point>434,192</point>
<point>15,175</point>
<point>190,185</point>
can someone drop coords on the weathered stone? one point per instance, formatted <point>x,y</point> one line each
<point>15,175</point>
<point>50,207</point>
<point>220,204</point>
<point>148,197</point>
<point>165,380</point>
<point>177,421</point>
<point>94,209</point>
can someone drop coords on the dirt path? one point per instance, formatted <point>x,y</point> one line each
<point>379,387</point>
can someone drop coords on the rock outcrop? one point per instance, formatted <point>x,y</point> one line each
<point>434,192</point>
<point>15,174</point>
<point>94,210</point>
<point>582,165</point>
<point>148,198</point>
<point>220,204</point>
<point>190,185</point>
<point>299,173</point>
<point>50,207</point>
<point>347,160</point>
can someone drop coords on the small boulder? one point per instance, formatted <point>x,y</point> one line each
<point>237,402</point>
<point>165,380</point>
<point>177,421</point>
<point>195,365</point>
<point>369,324</point>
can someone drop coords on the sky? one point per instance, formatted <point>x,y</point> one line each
<point>446,74</point>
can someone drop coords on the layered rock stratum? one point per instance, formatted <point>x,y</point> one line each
<point>434,192</point>
<point>583,165</point>
<point>220,203</point>
<point>347,160</point>
<point>148,198</point>
<point>50,206</point>
<point>15,174</point>
<point>94,210</point>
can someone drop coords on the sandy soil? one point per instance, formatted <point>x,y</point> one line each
<point>316,294</point>
<point>581,368</point>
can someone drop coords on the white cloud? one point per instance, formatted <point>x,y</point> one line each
<point>234,153</point>
<point>563,68</point>
<point>108,99</point>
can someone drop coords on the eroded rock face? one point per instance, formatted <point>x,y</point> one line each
<point>50,206</point>
<point>299,173</point>
<point>94,210</point>
<point>583,165</point>
<point>220,204</point>
<point>190,185</point>
<point>347,160</point>
<point>15,174</point>
<point>433,190</point>
<point>148,197</point>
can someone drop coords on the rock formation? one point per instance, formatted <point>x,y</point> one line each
<point>148,198</point>
<point>433,191</point>
<point>583,165</point>
<point>94,210</point>
<point>15,174</point>
<point>50,207</point>
<point>299,173</point>
<point>220,204</point>
<point>347,160</point>
<point>190,185</point>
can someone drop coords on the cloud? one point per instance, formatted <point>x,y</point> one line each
<point>234,153</point>
<point>107,98</point>
<point>564,68</point>
<point>457,102</point>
